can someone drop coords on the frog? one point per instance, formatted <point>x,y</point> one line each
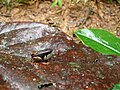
<point>41,55</point>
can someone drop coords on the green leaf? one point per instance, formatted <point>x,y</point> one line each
<point>7,4</point>
<point>118,1</point>
<point>110,1</point>
<point>54,3</point>
<point>57,2</point>
<point>116,87</point>
<point>60,3</point>
<point>100,40</point>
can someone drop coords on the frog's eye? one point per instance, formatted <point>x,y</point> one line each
<point>32,55</point>
<point>34,52</point>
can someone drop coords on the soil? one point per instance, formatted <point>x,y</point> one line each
<point>72,16</point>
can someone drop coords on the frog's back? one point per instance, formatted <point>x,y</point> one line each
<point>44,52</point>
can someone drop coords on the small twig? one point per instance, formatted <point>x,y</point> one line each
<point>5,15</point>
<point>86,18</point>
<point>116,26</point>
<point>47,84</point>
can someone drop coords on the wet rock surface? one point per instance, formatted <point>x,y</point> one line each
<point>70,66</point>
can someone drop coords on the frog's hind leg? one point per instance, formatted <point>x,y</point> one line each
<point>42,57</point>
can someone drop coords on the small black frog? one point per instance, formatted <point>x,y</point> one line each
<point>41,55</point>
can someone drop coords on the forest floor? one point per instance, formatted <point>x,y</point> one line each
<point>71,66</point>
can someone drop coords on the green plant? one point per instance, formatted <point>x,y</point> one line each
<point>6,3</point>
<point>76,1</point>
<point>116,87</point>
<point>100,40</point>
<point>116,0</point>
<point>57,2</point>
<point>26,1</point>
